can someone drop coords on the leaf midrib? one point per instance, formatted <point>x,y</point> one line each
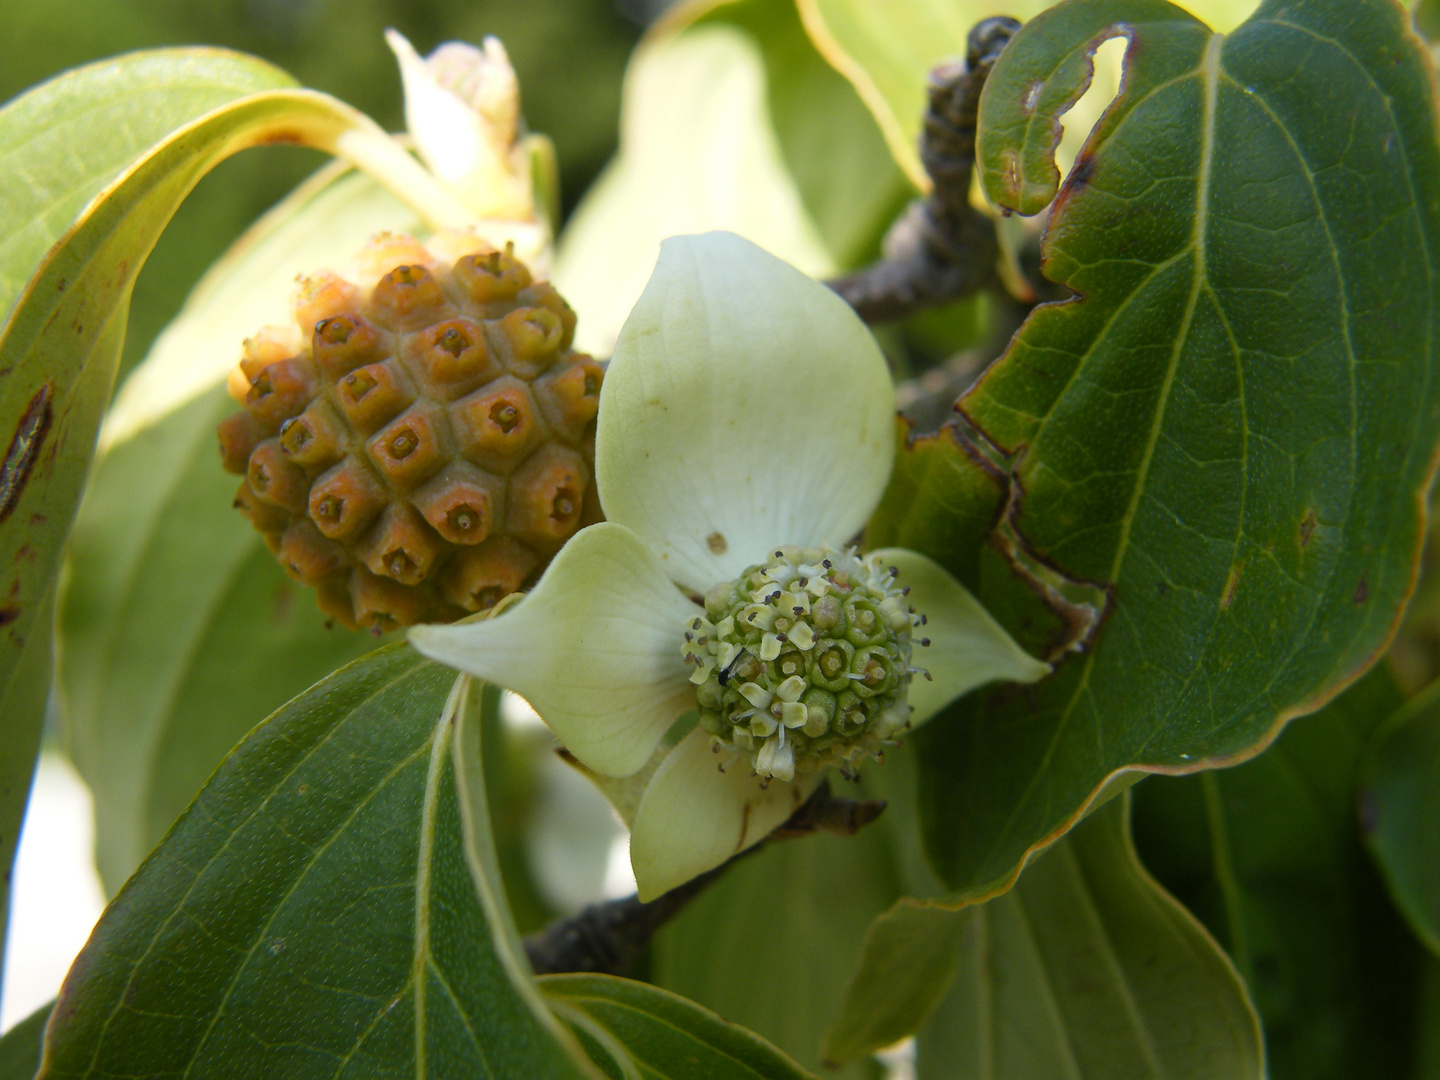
<point>1208,70</point>
<point>1324,218</point>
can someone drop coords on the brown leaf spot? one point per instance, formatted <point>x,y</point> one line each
<point>291,137</point>
<point>1308,525</point>
<point>1362,591</point>
<point>717,543</point>
<point>24,449</point>
<point>9,615</point>
<point>1232,583</point>
<point>1081,172</point>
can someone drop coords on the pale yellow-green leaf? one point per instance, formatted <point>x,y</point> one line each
<point>321,225</point>
<point>886,49</point>
<point>697,152</point>
<point>1087,968</point>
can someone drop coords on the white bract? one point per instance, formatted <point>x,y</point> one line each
<point>462,107</point>
<point>745,435</point>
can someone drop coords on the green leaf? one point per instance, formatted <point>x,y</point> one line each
<point>323,224</point>
<point>697,152</point>
<point>313,914</point>
<point>629,1029</point>
<point>887,52</point>
<point>22,704</point>
<point>1269,856</point>
<point>632,1030</point>
<point>20,1046</point>
<point>772,943</point>
<point>159,555</point>
<point>1085,969</point>
<point>1400,808</point>
<point>1428,1055</point>
<point>832,146</point>
<point>1228,434</point>
<point>1427,19</point>
<point>69,138</point>
<point>910,958</point>
<point>62,143</point>
<point>62,339</point>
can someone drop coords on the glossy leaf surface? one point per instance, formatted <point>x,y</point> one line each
<point>313,913</point>
<point>633,1030</point>
<point>1227,436</point>
<point>1400,809</point>
<point>159,556</point>
<point>1085,969</point>
<point>1269,855</point>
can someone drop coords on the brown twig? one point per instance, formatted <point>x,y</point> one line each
<point>942,248</point>
<point>609,937</point>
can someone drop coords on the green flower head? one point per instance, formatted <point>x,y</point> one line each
<point>745,435</point>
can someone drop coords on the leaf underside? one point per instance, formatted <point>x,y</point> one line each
<point>158,555</point>
<point>1400,807</point>
<point>1086,968</point>
<point>657,1035</point>
<point>1269,856</point>
<point>1226,436</point>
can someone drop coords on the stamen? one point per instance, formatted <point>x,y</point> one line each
<point>804,662</point>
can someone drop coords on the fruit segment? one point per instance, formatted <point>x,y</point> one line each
<point>428,450</point>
